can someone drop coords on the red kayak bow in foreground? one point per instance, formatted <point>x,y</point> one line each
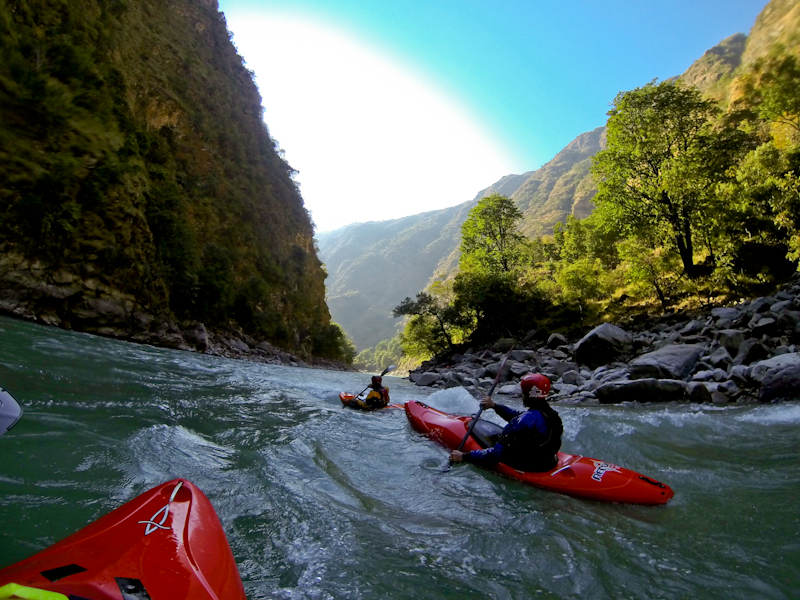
<point>167,544</point>
<point>574,475</point>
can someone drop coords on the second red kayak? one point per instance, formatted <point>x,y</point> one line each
<point>166,544</point>
<point>574,475</point>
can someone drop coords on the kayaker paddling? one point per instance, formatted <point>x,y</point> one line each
<point>377,398</point>
<point>531,439</point>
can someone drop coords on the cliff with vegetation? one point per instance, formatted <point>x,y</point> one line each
<point>141,194</point>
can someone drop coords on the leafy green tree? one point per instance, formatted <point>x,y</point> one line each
<point>490,237</point>
<point>767,189</point>
<point>772,88</point>
<point>581,281</point>
<point>440,317</point>
<point>650,270</point>
<point>661,166</point>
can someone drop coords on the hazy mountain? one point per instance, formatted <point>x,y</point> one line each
<point>373,266</point>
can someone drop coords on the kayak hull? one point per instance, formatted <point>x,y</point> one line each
<point>10,411</point>
<point>574,475</point>
<point>164,544</point>
<point>347,399</point>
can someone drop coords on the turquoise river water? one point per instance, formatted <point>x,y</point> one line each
<point>320,502</point>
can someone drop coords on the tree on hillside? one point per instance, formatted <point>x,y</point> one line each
<point>661,166</point>
<point>490,237</point>
<point>433,321</point>
<point>772,88</point>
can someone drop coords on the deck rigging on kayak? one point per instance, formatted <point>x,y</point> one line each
<point>166,543</point>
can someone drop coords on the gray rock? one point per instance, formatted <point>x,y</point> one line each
<point>510,389</point>
<point>239,345</point>
<point>751,351</point>
<point>572,377</point>
<point>641,390</point>
<point>740,374</point>
<point>519,369</point>
<point>675,361</point>
<point>781,382</point>
<point>197,336</point>
<point>760,305</point>
<point>765,326</point>
<point>720,358</point>
<point>428,378</point>
<point>725,313</point>
<point>452,382</point>
<point>692,327</point>
<point>777,308</point>
<point>717,397</point>
<point>603,345</point>
<point>522,355</point>
<point>730,339</point>
<point>698,392</point>
<point>555,340</point>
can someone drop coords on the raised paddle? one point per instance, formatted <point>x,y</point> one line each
<point>480,409</point>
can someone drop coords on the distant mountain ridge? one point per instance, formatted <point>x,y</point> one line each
<point>564,186</point>
<point>373,266</point>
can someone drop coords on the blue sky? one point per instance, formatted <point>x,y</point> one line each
<point>390,108</point>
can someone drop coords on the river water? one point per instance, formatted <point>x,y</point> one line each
<point>321,502</point>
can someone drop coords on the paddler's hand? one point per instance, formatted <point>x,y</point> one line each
<point>487,402</point>
<point>456,456</point>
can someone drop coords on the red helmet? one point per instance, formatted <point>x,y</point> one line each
<point>377,379</point>
<point>536,385</point>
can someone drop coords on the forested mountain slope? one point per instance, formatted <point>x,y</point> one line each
<point>139,186</point>
<point>372,266</point>
<point>564,186</point>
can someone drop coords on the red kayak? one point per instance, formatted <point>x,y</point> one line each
<point>573,475</point>
<point>166,544</point>
<point>348,398</point>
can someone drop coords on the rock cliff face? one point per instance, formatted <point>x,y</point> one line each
<point>141,192</point>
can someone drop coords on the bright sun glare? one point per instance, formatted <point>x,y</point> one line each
<point>371,140</point>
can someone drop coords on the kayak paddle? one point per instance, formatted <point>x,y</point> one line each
<point>480,409</point>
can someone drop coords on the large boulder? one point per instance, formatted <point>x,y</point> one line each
<point>603,345</point>
<point>730,339</point>
<point>675,361</point>
<point>780,377</point>
<point>750,351</point>
<point>642,390</point>
<point>428,378</point>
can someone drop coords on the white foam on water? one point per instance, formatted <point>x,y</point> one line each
<point>456,401</point>
<point>773,414</point>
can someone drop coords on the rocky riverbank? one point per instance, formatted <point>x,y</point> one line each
<point>742,353</point>
<point>91,305</point>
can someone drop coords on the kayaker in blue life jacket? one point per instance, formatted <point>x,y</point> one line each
<point>531,439</point>
<point>378,396</point>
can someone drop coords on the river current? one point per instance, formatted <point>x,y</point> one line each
<point>322,502</point>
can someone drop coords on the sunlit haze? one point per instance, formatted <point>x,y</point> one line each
<point>370,139</point>
<point>391,109</point>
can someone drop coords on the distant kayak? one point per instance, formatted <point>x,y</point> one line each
<point>10,411</point>
<point>347,400</point>
<point>574,475</point>
<point>165,544</point>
